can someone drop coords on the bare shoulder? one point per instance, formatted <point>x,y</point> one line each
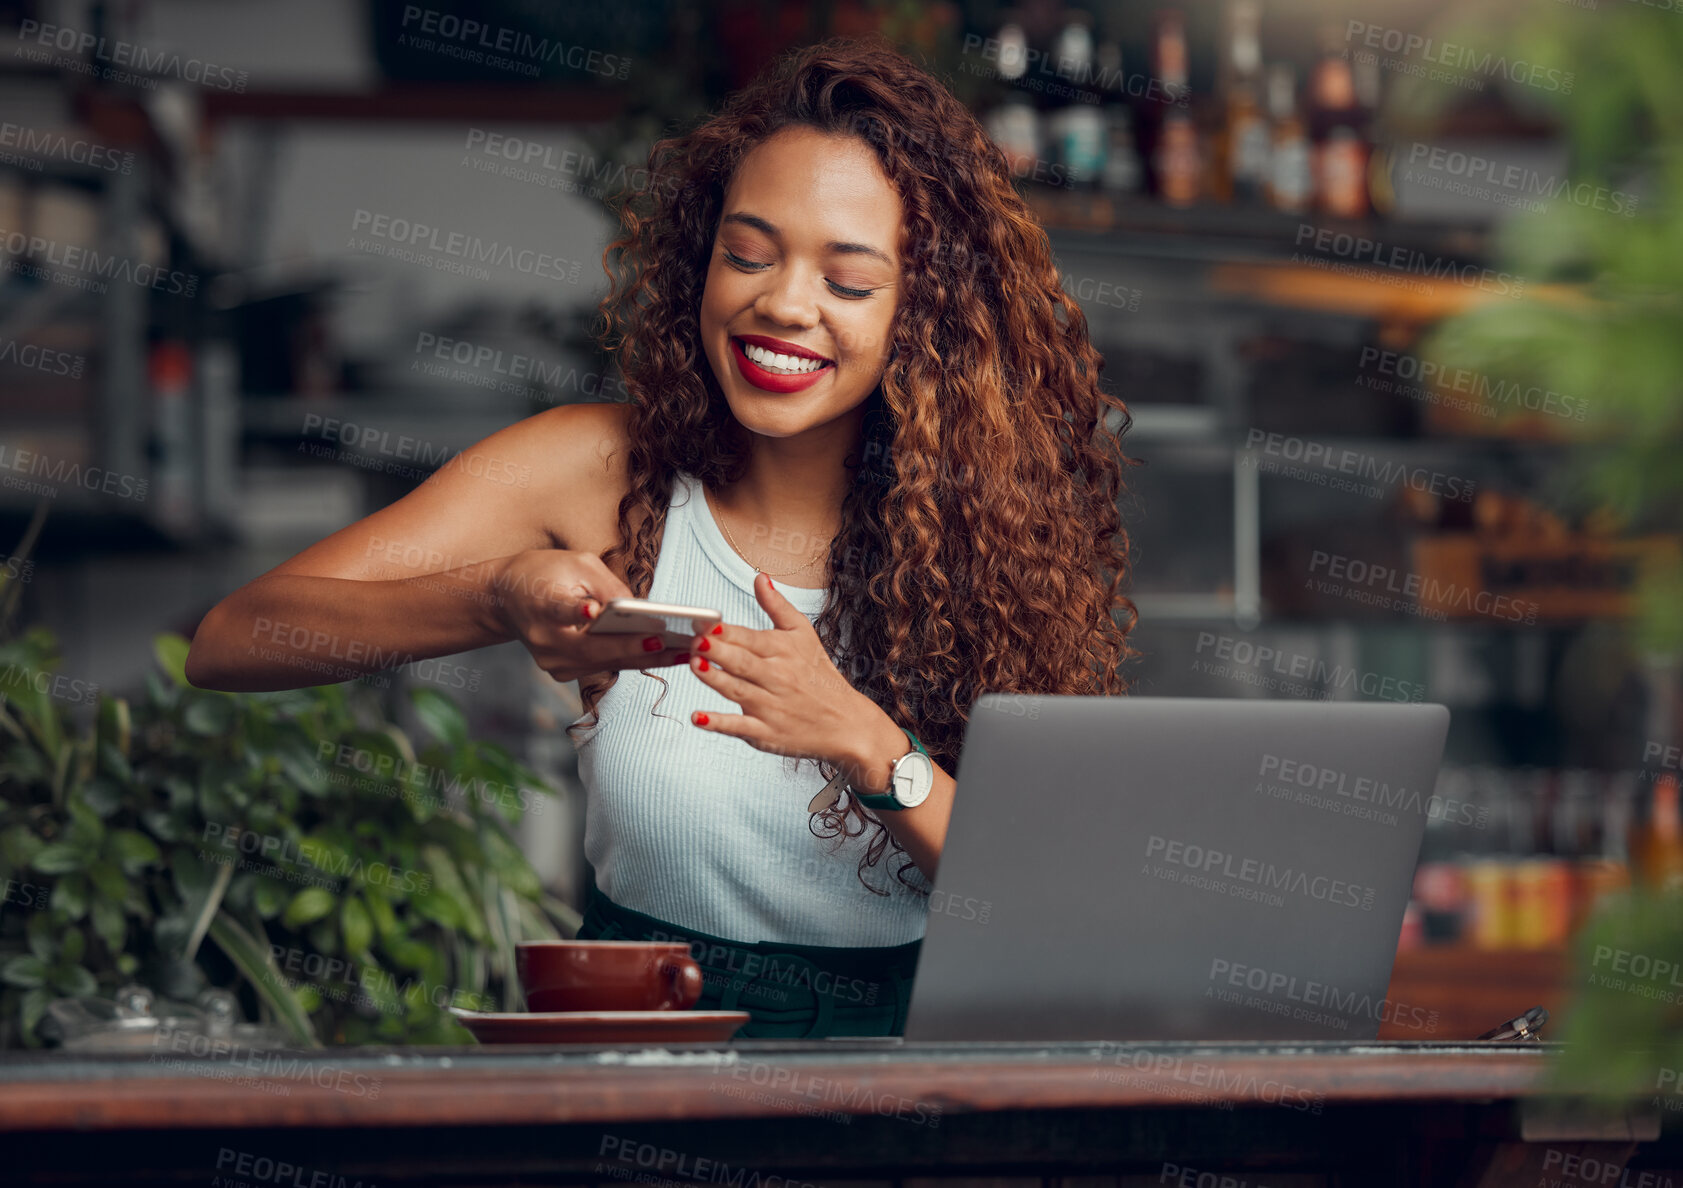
<point>586,448</point>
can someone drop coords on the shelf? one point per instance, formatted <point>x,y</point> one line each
<point>424,103</point>
<point>1134,225</point>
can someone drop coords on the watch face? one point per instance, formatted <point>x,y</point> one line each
<point>914,779</point>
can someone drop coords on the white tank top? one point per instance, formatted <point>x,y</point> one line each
<point>702,830</point>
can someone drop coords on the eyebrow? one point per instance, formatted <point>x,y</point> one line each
<point>853,249</point>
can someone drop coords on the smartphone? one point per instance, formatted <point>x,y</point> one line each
<point>636,616</point>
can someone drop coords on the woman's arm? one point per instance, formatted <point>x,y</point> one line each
<point>476,555</point>
<point>921,831</point>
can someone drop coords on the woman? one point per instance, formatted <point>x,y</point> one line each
<point>866,425</point>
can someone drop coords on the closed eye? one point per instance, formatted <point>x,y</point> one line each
<point>737,261</point>
<point>853,294</point>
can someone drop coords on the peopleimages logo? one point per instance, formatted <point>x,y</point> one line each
<point>143,61</point>
<point>1212,863</point>
<point>1299,666</point>
<point>1344,1004</point>
<point>487,42</point>
<point>1511,185</point>
<point>1437,379</point>
<point>84,260</point>
<point>43,143</point>
<point>462,248</point>
<point>1437,594</point>
<point>1362,466</point>
<point>1406,261</point>
<point>1459,57</point>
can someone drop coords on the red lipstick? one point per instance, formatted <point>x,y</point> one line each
<point>771,381</point>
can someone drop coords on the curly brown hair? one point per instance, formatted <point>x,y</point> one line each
<point>982,548</point>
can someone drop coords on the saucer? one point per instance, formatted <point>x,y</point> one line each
<point>601,1027</point>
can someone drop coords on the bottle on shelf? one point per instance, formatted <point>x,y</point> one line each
<point>1656,843</point>
<point>1122,172</point>
<point>1338,125</point>
<point>1242,142</point>
<point>1175,158</point>
<point>1015,127</point>
<point>1076,125</point>
<point>1290,180</point>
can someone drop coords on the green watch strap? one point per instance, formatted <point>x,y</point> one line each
<point>886,800</point>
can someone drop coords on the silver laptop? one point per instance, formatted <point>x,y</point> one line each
<point>1164,868</point>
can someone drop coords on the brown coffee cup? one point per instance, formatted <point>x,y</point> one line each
<point>607,975</point>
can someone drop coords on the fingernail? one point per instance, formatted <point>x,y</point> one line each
<point>704,646</point>
<point>770,583</point>
<point>683,658</point>
<point>699,718</point>
<point>586,609</point>
<point>651,643</point>
<point>702,664</point>
<point>718,629</point>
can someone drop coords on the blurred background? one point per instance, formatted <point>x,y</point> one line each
<point>1390,290</point>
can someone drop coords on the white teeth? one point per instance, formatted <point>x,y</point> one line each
<point>788,364</point>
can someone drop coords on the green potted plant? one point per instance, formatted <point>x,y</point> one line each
<point>346,882</point>
<point>1610,331</point>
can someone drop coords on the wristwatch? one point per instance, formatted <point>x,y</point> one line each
<point>911,780</point>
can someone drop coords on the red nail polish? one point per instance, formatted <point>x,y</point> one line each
<point>682,658</point>
<point>770,583</point>
<point>703,665</point>
<point>718,629</point>
<point>704,646</point>
<point>699,718</point>
<point>651,643</point>
<point>586,609</point>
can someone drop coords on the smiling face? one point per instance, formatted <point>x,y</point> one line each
<point>803,282</point>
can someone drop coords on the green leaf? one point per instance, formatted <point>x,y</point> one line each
<point>385,920</point>
<point>57,858</point>
<point>163,826</point>
<point>171,652</point>
<point>268,897</point>
<point>42,931</point>
<point>74,981</point>
<point>134,850</point>
<point>108,880</point>
<point>310,904</point>
<point>24,972</point>
<point>103,796</point>
<point>114,763</point>
<point>210,714</point>
<point>442,719</point>
<point>86,829</point>
<point>296,755</point>
<point>356,926</point>
<point>252,958</point>
<point>70,896</point>
<point>202,909</point>
<point>18,846</point>
<point>109,924</point>
<point>74,947</point>
<point>181,794</point>
<point>32,1009</point>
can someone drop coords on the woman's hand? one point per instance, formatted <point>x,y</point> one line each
<point>546,598</point>
<point>793,699</point>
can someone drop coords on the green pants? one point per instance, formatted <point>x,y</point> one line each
<point>792,991</point>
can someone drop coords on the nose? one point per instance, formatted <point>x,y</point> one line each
<point>787,299</point>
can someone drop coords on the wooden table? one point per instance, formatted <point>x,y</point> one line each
<point>827,1114</point>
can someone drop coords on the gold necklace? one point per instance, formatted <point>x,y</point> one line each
<point>732,540</point>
